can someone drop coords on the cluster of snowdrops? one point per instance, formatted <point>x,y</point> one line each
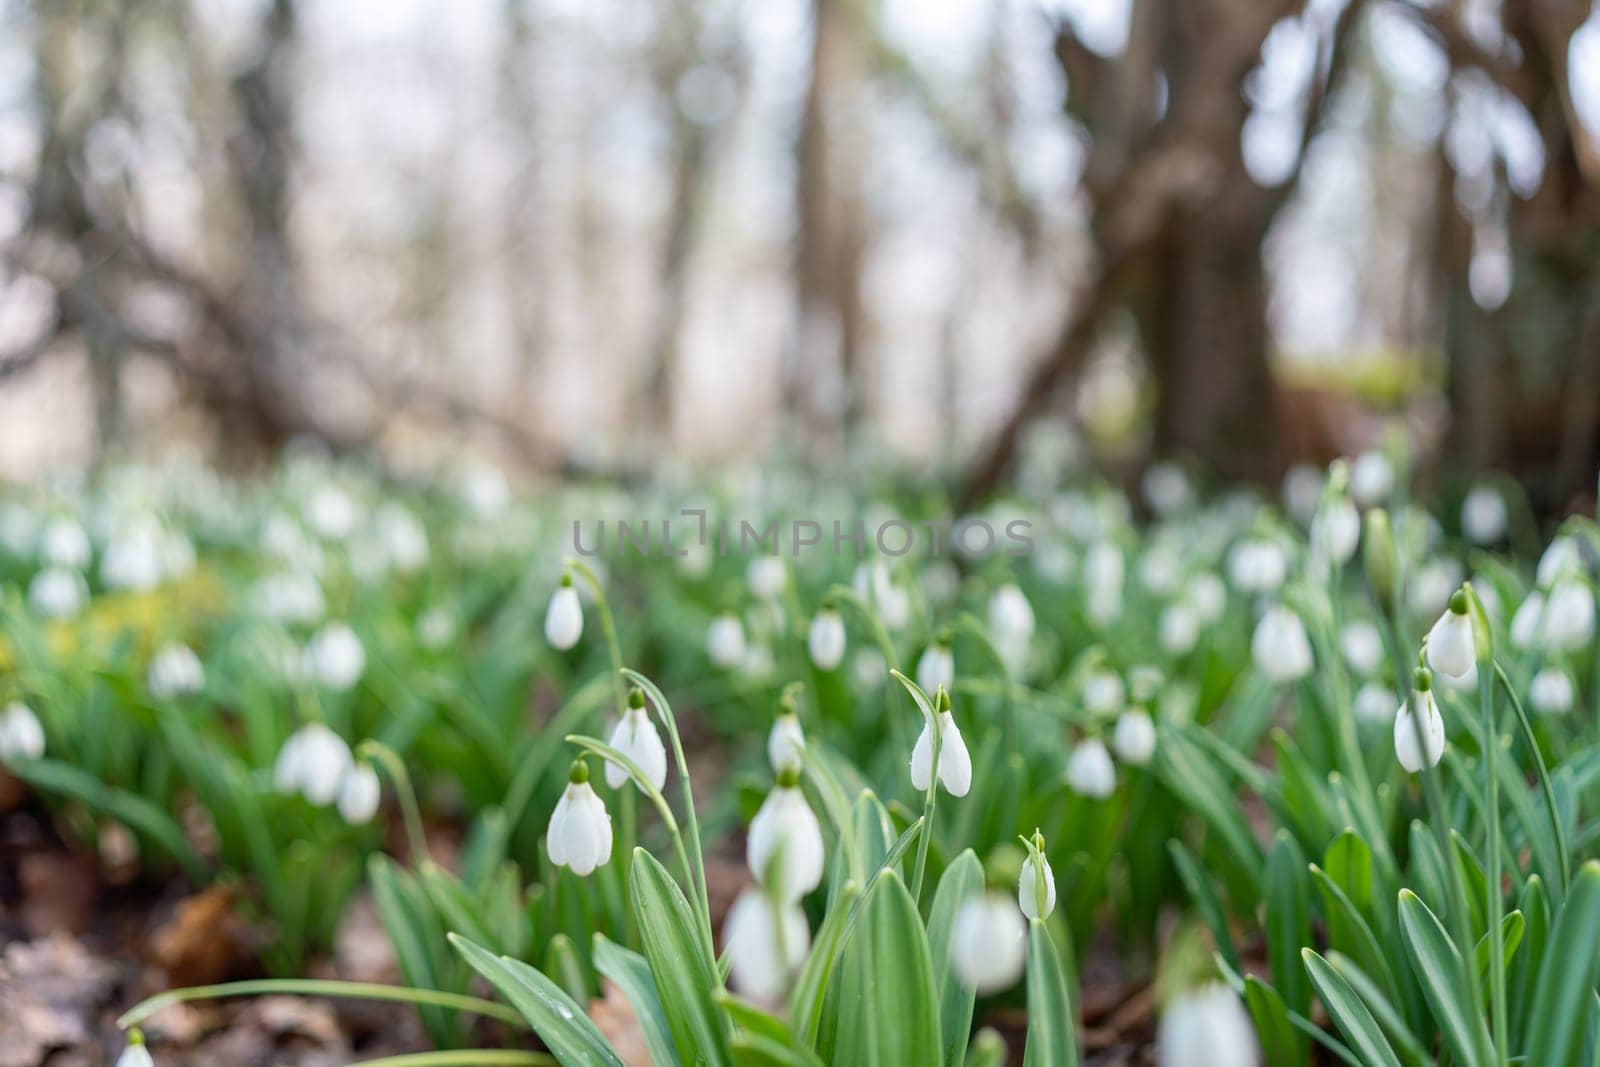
<point>947,778</point>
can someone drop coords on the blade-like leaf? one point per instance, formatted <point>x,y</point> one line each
<point>961,880</point>
<point>631,973</point>
<point>1052,1019</point>
<point>686,981</point>
<point>895,1020</point>
<point>1564,1001</point>
<point>569,1034</point>
<point>1348,1012</point>
<point>1444,979</point>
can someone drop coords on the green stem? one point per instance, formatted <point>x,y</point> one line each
<point>1493,902</point>
<point>312,987</point>
<point>1543,772</point>
<point>411,813</point>
<point>608,628</point>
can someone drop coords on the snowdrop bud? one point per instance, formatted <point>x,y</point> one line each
<point>767,577</point>
<point>1377,557</point>
<point>1208,596</point>
<point>563,620</point>
<point>57,593</point>
<point>1450,648</point>
<point>1568,616</point>
<point>359,794</point>
<point>1525,623</point>
<point>936,668</point>
<point>826,640</point>
<point>1371,478</point>
<point>636,737</point>
<point>955,764</point>
<point>787,829</point>
<point>1206,1027</point>
<point>335,657</point>
<point>725,642</point>
<point>1257,566</point>
<point>1551,692</point>
<point>1280,648</point>
<point>175,671</point>
<point>21,735</point>
<point>1419,729</point>
<point>1103,693</point>
<point>579,836</point>
<point>1134,737</point>
<point>1362,647</point>
<point>1010,616</point>
<point>1483,516</point>
<point>786,742</point>
<point>766,946</point>
<point>1028,884</point>
<point>1180,629</point>
<point>313,763</point>
<point>1090,771</point>
<point>1562,559</point>
<point>989,943</point>
<point>1336,530</point>
<point>64,543</point>
<point>1374,702</point>
<point>134,1054</point>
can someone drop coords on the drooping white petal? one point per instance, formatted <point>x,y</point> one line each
<point>20,733</point>
<point>922,760</point>
<point>636,737</point>
<point>563,619</point>
<point>1280,647</point>
<point>175,670</point>
<point>766,947</point>
<point>786,744</point>
<point>1551,692</point>
<point>135,1056</point>
<point>1450,645</point>
<point>1028,889</point>
<point>787,827</point>
<point>1362,647</point>
<point>1206,1027</point>
<point>579,835</point>
<point>936,667</point>
<point>989,943</point>
<point>1525,621</point>
<point>359,794</point>
<point>955,762</point>
<point>725,642</point>
<point>1483,515</point>
<point>1336,530</point>
<point>1412,752</point>
<point>1568,616</point>
<point>826,640</point>
<point>1134,737</point>
<point>312,762</point>
<point>1090,771</point>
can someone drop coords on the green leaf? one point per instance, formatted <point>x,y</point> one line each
<point>1562,1004</point>
<point>1388,1015</point>
<point>1288,895</point>
<point>686,980</point>
<point>1534,904</point>
<point>631,973</point>
<point>962,880</point>
<point>560,1023</point>
<point>893,1019</point>
<point>1052,1020</point>
<point>806,1000</point>
<point>1348,931</point>
<point>1511,927</point>
<point>1279,1040</point>
<point>1444,980</point>
<point>413,930</point>
<point>1349,1014</point>
<point>1198,883</point>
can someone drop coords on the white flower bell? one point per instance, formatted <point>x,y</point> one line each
<point>1279,646</point>
<point>1257,566</point>
<point>1134,737</point>
<point>563,619</point>
<point>786,828</point>
<point>312,762</point>
<point>175,671</point>
<point>767,576</point>
<point>1568,623</point>
<point>1362,647</point>
<point>1371,478</point>
<point>1525,622</point>
<point>1563,558</point>
<point>1103,693</point>
<point>955,763</point>
<point>636,737</point>
<point>134,1054</point>
<point>936,668</point>
<point>786,742</point>
<point>57,593</point>
<point>1450,647</point>
<point>825,641</point>
<point>1374,702</point>
<point>1090,771</point>
<point>335,657</point>
<point>1010,616</point>
<point>1419,729</point>
<point>579,836</point>
<point>1028,884</point>
<point>1206,1027</point>
<point>989,943</point>
<point>766,945</point>
<point>1483,515</point>
<point>359,794</point>
<point>725,644</point>
<point>1551,692</point>
<point>21,734</point>
<point>1207,595</point>
<point>1179,628</point>
<point>1336,530</point>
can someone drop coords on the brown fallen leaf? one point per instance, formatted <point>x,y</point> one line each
<point>204,941</point>
<point>50,989</point>
<point>616,1020</point>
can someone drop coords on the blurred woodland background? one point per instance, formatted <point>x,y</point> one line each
<point>580,234</point>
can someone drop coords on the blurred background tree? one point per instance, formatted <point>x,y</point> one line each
<point>589,235</point>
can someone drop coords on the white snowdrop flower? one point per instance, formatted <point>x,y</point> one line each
<point>725,641</point>
<point>1433,584</point>
<point>1302,491</point>
<point>1011,624</point>
<point>1028,888</point>
<point>1371,478</point>
<point>1374,702</point>
<point>636,737</point>
<point>335,657</point>
<point>1450,646</point>
<point>786,743</point>
<point>1103,693</point>
<point>1206,1027</point>
<point>1362,647</point>
<point>1160,570</point>
<point>766,946</point>
<point>868,668</point>
<point>435,628</point>
<point>1257,566</point>
<point>1179,628</point>
<point>1422,709</point>
<point>1550,692</point>
<point>20,733</point>
<point>1568,616</point>
<point>57,593</point>
<point>1167,489</point>
<point>294,597</point>
<point>359,794</point>
<point>1525,623</point>
<point>989,943</point>
<point>825,641</point>
<point>1134,737</point>
<point>936,667</point>
<point>955,763</point>
<point>1144,682</point>
<point>1207,595</point>
<point>1483,515</point>
<point>1090,771</point>
<point>175,670</point>
<point>1562,559</point>
<point>579,836</point>
<point>1336,530</point>
<point>133,560</point>
<point>786,828</point>
<point>312,762</point>
<point>402,537</point>
<point>134,1053</point>
<point>767,576</point>
<point>64,543</point>
<point>1279,646</point>
<point>331,512</point>
<point>563,619</point>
